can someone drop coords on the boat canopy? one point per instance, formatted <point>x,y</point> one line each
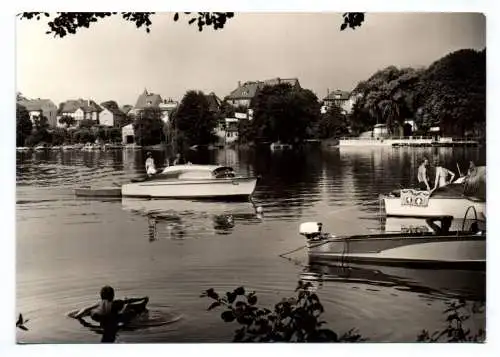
<point>197,172</point>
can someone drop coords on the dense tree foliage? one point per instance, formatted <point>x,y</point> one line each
<point>24,126</point>
<point>194,120</point>
<point>282,113</point>
<point>67,120</point>
<point>65,23</point>
<point>148,127</point>
<point>332,124</point>
<point>388,96</point>
<point>451,94</point>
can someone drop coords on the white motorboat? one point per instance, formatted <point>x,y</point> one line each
<point>438,249</point>
<point>193,181</point>
<point>446,201</point>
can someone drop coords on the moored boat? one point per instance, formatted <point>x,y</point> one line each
<point>446,201</point>
<point>439,249</point>
<point>193,181</point>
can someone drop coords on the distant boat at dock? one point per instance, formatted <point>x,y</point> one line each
<point>408,141</point>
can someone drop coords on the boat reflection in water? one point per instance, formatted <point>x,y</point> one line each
<point>408,225</point>
<point>180,219</point>
<point>446,281</point>
<point>467,284</point>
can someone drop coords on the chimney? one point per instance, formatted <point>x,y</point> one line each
<point>327,92</point>
<point>239,84</point>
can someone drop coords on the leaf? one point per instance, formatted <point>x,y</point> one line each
<point>192,20</point>
<point>240,291</point>
<point>343,26</point>
<point>252,299</point>
<point>227,316</point>
<point>176,16</point>
<point>231,297</point>
<point>24,328</point>
<point>214,305</point>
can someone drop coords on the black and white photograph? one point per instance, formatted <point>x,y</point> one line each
<point>227,177</point>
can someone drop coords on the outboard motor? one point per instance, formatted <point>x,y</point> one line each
<point>312,230</point>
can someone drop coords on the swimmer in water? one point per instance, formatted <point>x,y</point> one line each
<point>110,312</point>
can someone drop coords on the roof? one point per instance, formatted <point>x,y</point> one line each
<point>192,167</point>
<point>148,100</point>
<point>249,89</point>
<point>245,91</point>
<point>112,109</point>
<point>88,106</point>
<point>275,81</point>
<point>213,102</point>
<point>32,105</point>
<point>337,95</point>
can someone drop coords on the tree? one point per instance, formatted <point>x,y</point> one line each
<point>24,126</point>
<point>389,96</point>
<point>194,119</point>
<point>284,114</point>
<point>65,23</point>
<point>332,124</point>
<point>148,127</point>
<point>67,120</point>
<point>453,93</point>
<point>86,123</point>
<point>40,133</point>
<point>59,136</point>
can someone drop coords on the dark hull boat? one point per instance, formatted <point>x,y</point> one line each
<point>441,249</point>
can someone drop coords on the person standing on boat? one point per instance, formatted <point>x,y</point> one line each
<point>178,160</point>
<point>422,177</point>
<point>472,169</point>
<point>150,164</point>
<point>442,176</point>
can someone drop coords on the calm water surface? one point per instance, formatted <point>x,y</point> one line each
<point>67,248</point>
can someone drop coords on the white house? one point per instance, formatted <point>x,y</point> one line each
<point>40,107</point>
<point>110,114</point>
<point>128,134</point>
<point>79,110</point>
<point>106,117</point>
<point>227,131</point>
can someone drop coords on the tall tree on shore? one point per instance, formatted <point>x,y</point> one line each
<point>194,120</point>
<point>282,113</point>
<point>24,126</point>
<point>453,92</point>
<point>148,127</point>
<point>332,124</point>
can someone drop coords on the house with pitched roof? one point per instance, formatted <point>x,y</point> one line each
<point>40,107</point>
<point>111,114</point>
<point>80,109</point>
<point>343,99</point>
<point>244,93</point>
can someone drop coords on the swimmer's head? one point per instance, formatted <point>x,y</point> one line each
<point>107,293</point>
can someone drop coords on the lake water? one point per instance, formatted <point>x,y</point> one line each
<point>67,248</point>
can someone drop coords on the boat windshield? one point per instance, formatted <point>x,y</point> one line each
<point>224,172</point>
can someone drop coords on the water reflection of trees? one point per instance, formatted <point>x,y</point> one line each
<point>288,174</point>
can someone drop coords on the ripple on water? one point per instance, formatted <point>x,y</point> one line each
<point>68,248</point>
